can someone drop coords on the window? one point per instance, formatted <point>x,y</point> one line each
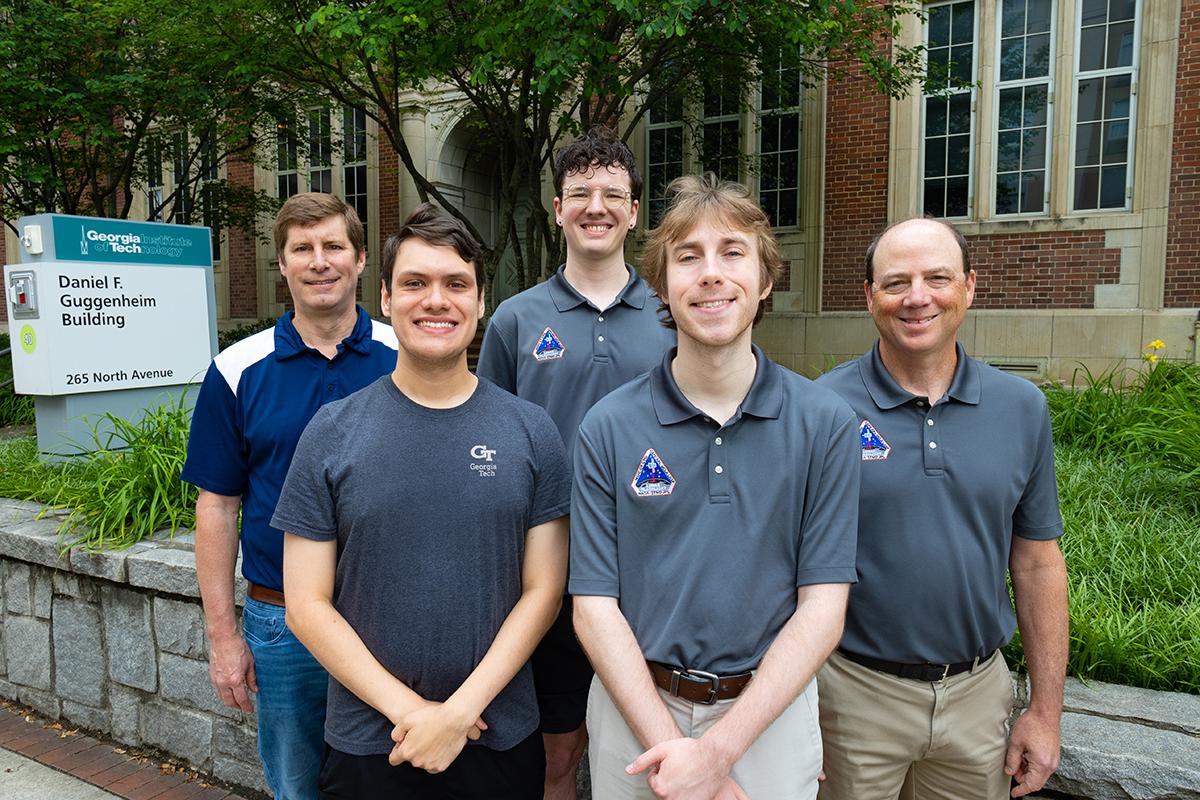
<point>181,170</point>
<point>1009,169</point>
<point>354,160</point>
<point>210,187</point>
<point>320,150</point>
<point>287,179</point>
<point>708,135</point>
<point>155,183</point>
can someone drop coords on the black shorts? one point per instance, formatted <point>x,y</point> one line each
<point>562,675</point>
<point>478,773</point>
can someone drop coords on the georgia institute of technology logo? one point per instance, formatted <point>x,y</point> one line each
<point>481,461</point>
<point>549,346</point>
<point>874,446</point>
<point>652,478</point>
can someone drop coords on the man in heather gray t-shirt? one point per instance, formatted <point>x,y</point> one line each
<point>429,508</point>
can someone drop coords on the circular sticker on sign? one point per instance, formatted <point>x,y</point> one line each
<point>28,339</point>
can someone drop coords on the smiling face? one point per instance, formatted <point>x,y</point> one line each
<point>434,302</point>
<point>919,295</point>
<point>321,267</point>
<point>714,284</point>
<point>594,228</point>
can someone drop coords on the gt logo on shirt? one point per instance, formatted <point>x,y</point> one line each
<point>482,452</point>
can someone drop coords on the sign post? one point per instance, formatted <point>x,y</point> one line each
<point>107,316</point>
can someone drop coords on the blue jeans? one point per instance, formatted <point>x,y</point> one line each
<point>291,703</point>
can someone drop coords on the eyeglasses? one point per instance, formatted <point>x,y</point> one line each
<point>611,196</point>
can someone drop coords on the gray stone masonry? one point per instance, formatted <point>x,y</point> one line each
<point>115,641</point>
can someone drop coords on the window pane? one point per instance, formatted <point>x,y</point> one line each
<point>935,116</point>
<point>1009,114</point>
<point>1087,144</point>
<point>956,197</point>
<point>963,68</point>
<point>1012,58</point>
<point>1116,96</point>
<point>789,132</point>
<point>935,198</point>
<point>1013,19</point>
<point>1091,49</point>
<point>935,157</point>
<point>1037,18</point>
<point>1112,187</point>
<point>1033,190</point>
<point>1094,12</point>
<point>1116,141</point>
<point>963,26</point>
<point>1120,45</point>
<point>1006,193</point>
<point>939,62</point>
<point>1008,151</point>
<point>960,113</point>
<point>1088,104</point>
<point>939,26</point>
<point>958,155</point>
<point>1033,150</point>
<point>769,135</point>
<point>768,178</point>
<point>1121,10</point>
<point>1087,188</point>
<point>1036,100</point>
<point>1037,56</point>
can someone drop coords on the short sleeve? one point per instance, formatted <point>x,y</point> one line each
<point>496,361</point>
<point>216,455</point>
<point>593,520</point>
<point>552,481</point>
<point>306,504</point>
<point>1037,515</point>
<point>829,537</point>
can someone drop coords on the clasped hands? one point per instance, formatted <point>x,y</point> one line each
<point>431,735</point>
<point>687,769</point>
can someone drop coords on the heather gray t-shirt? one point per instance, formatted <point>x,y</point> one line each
<point>429,508</point>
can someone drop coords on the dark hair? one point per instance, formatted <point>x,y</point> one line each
<point>309,208</point>
<point>435,227</point>
<point>599,147</point>
<point>955,232</point>
<point>695,200</point>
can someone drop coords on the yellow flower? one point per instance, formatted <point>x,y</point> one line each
<point>1157,344</point>
<point>1151,357</point>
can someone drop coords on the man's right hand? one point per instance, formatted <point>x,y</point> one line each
<point>231,670</point>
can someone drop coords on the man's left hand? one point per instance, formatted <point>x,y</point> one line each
<point>686,769</point>
<point>1032,752</point>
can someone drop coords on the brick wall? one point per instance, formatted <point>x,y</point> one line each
<point>241,258</point>
<point>1042,270</point>
<point>389,189</point>
<point>856,157</point>
<point>1182,287</point>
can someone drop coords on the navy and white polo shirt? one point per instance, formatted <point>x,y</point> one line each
<point>255,401</point>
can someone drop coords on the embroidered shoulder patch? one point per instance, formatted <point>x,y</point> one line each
<point>874,447</point>
<point>549,347</point>
<point>652,478</point>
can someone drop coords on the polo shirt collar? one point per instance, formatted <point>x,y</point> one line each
<point>289,344</point>
<point>764,400</point>
<point>565,297</point>
<point>888,394</point>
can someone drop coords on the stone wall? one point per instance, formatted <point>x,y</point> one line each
<point>114,641</point>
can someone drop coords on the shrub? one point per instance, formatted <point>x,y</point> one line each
<point>226,338</point>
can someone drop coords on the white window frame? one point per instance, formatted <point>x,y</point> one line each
<point>973,133</point>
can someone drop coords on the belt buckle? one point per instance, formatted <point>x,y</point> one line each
<point>713,681</point>
<point>945,673</point>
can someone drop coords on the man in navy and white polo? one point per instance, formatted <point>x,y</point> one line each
<point>958,493</point>
<point>254,403</point>
<point>713,532</point>
<point>564,344</point>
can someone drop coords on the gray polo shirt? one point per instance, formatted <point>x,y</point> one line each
<point>944,488</point>
<point>705,531</point>
<point>551,346</point>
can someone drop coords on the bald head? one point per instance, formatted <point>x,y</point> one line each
<point>918,227</point>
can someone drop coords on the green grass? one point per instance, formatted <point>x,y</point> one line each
<point>127,488</point>
<point>15,409</point>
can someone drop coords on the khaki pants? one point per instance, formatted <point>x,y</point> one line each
<point>782,764</point>
<point>889,737</point>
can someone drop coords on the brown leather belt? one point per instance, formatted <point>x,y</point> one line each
<point>264,595</point>
<point>696,685</point>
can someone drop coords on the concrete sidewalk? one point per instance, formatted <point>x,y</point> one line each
<point>40,759</point>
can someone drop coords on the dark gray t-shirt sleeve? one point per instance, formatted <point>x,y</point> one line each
<point>306,504</point>
<point>829,538</point>
<point>552,481</point>
<point>593,520</point>
<point>496,360</point>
